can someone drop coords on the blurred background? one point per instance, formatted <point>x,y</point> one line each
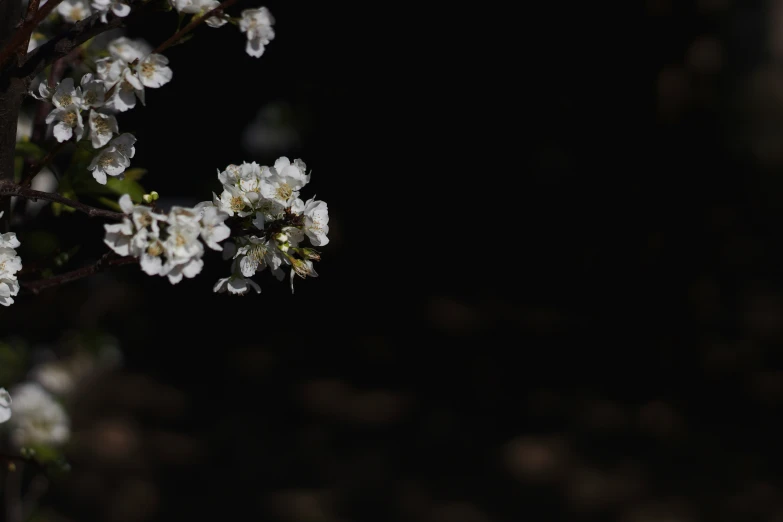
<point>580,323</point>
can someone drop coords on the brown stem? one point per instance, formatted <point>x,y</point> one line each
<point>32,8</point>
<point>23,33</point>
<point>11,93</point>
<point>107,260</point>
<point>192,25</point>
<point>65,42</point>
<point>36,167</point>
<point>12,189</point>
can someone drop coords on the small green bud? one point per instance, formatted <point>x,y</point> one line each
<point>147,198</point>
<point>154,195</point>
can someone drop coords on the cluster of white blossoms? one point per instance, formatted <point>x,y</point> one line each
<point>75,10</point>
<point>121,79</point>
<point>255,23</point>
<point>265,200</point>
<point>37,416</point>
<point>10,264</point>
<point>168,244</point>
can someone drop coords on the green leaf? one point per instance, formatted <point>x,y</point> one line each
<point>28,149</point>
<point>126,186</point>
<point>135,174</point>
<point>18,167</point>
<point>110,203</point>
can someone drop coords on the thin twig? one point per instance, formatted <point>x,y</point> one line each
<point>65,42</point>
<point>23,33</point>
<point>108,259</point>
<point>192,25</point>
<point>12,189</point>
<point>32,8</point>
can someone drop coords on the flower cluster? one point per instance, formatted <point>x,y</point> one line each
<point>121,79</point>
<point>10,264</point>
<point>274,222</point>
<point>255,23</point>
<point>75,10</point>
<point>167,244</point>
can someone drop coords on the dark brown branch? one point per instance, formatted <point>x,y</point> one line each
<point>192,25</point>
<point>32,8</point>
<point>109,259</point>
<point>12,189</point>
<point>23,33</point>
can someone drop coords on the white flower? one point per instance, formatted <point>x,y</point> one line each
<point>124,143</point>
<point>284,181</point>
<point>316,225</point>
<point>126,92</point>
<point>9,239</point>
<point>183,249</point>
<point>93,92</point>
<point>66,94</point>
<point>38,419</point>
<point>151,258</point>
<point>118,7</point>
<point>9,288</point>
<point>102,128</point>
<point>118,236</point>
<point>5,405</point>
<point>153,71</point>
<point>257,23</point>
<point>10,263</point>
<point>109,162</point>
<point>73,10</point>
<point>190,269</point>
<point>233,201</point>
<point>109,70</point>
<point>200,7</point>
<point>236,284</point>
<point>128,50</point>
<point>213,228</point>
<point>251,255</point>
<point>302,268</point>
<point>69,123</point>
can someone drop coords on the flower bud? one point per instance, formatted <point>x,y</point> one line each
<point>147,198</point>
<point>154,195</point>
<point>281,237</point>
<point>303,268</point>
<point>310,253</point>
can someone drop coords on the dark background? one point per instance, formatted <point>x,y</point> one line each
<point>553,289</point>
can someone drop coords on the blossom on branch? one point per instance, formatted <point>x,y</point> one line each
<point>257,24</point>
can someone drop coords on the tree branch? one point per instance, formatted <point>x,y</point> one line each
<point>23,33</point>
<point>109,259</point>
<point>192,25</point>
<point>32,8</point>
<point>62,44</point>
<point>12,189</point>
